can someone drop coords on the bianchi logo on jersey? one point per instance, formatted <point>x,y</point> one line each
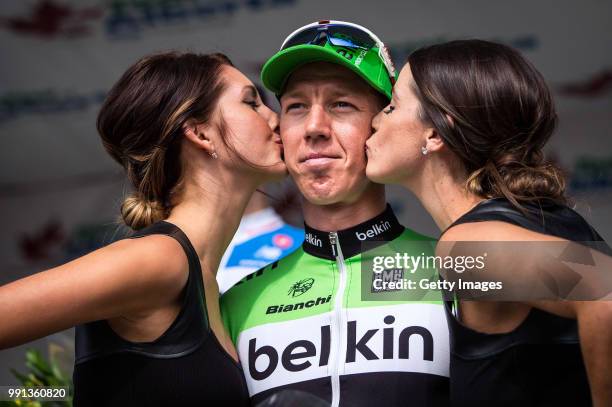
<point>301,287</point>
<point>277,309</point>
<point>411,338</point>
<point>374,230</point>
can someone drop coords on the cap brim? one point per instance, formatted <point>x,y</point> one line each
<point>279,67</point>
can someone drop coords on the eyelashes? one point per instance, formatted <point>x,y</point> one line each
<point>389,110</point>
<point>253,104</point>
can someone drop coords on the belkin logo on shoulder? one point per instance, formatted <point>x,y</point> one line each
<point>313,240</point>
<point>374,230</point>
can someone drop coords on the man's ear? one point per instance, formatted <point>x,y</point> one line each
<point>199,135</point>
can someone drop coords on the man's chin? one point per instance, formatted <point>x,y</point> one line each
<point>321,201</point>
<point>320,193</point>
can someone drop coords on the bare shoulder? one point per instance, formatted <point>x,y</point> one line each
<point>493,231</point>
<point>153,249</point>
<point>153,258</point>
<point>143,272</point>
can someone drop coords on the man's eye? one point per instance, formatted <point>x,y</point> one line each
<point>294,106</point>
<point>342,105</point>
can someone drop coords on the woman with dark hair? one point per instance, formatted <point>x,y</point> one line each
<point>195,141</point>
<point>464,132</point>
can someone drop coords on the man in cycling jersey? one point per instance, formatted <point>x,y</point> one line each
<point>302,323</point>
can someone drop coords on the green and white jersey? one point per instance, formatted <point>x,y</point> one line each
<point>304,323</point>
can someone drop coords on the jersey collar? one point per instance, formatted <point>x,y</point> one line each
<point>381,228</point>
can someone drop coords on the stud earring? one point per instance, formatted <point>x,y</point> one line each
<point>214,155</point>
<point>424,150</point>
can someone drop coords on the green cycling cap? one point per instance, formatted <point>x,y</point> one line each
<point>338,42</point>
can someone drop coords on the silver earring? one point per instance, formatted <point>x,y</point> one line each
<point>214,155</point>
<point>424,150</point>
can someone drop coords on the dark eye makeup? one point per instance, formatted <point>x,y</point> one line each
<point>389,109</point>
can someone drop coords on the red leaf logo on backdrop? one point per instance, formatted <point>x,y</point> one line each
<point>49,19</point>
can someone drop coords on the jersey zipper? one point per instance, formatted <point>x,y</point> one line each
<point>338,322</point>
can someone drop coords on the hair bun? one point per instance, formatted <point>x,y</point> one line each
<point>139,213</point>
<point>518,181</point>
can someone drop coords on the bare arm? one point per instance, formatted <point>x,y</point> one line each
<point>128,276</point>
<point>595,330</point>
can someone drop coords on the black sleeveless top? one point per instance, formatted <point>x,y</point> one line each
<point>540,362</point>
<point>185,366</point>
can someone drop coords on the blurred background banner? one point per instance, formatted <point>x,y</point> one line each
<point>60,193</point>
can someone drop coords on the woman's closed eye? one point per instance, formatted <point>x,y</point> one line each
<point>253,103</point>
<point>389,109</point>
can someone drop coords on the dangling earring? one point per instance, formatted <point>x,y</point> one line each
<point>214,155</point>
<point>424,150</point>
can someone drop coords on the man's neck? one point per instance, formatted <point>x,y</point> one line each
<point>343,215</point>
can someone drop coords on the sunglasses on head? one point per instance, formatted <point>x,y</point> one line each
<point>340,34</point>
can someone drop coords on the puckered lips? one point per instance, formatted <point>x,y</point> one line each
<point>366,147</point>
<point>279,142</point>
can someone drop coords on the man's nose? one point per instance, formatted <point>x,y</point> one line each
<point>318,123</point>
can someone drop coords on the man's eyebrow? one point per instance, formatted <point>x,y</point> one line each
<point>342,93</point>
<point>336,92</point>
<point>292,94</point>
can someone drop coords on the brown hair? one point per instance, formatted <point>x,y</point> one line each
<point>141,124</point>
<point>502,116</point>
